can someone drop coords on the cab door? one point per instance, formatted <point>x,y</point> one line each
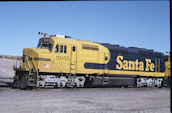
<point>73,60</point>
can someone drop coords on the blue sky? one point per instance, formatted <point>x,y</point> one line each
<point>144,24</point>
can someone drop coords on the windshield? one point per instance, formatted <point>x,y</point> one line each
<point>45,45</point>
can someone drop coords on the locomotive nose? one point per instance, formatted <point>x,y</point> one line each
<point>30,52</point>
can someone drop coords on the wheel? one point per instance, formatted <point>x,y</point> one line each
<point>23,82</point>
<point>16,82</point>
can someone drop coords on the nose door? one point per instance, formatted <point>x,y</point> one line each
<point>73,64</point>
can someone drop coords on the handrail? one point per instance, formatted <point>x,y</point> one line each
<point>32,62</point>
<point>15,64</point>
<point>27,60</point>
<point>20,62</point>
<point>34,65</point>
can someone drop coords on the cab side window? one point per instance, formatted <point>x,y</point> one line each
<point>56,49</point>
<point>73,48</point>
<point>63,49</point>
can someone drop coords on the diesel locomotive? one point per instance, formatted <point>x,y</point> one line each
<point>59,61</point>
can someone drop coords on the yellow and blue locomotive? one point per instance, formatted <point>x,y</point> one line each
<point>59,61</point>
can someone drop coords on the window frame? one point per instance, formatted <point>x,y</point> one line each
<point>63,49</point>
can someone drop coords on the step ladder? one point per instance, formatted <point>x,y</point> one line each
<point>33,73</point>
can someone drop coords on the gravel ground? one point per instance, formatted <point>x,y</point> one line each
<point>85,100</point>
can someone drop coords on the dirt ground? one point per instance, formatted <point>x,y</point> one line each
<point>85,100</point>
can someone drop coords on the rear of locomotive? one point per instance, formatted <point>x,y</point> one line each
<point>140,67</point>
